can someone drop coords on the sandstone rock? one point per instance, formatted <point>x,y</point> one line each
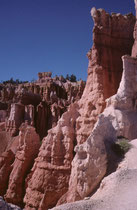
<point>3,111</point>
<point>90,163</point>
<point>122,106</point>
<point>2,126</point>
<point>15,119</point>
<point>5,140</point>
<point>6,160</point>
<point>51,171</point>
<point>7,93</point>
<point>43,76</point>
<point>3,106</point>
<point>27,98</point>
<point>118,119</point>
<point>112,38</point>
<point>30,114</point>
<point>48,180</point>
<point>42,119</point>
<point>28,149</point>
<point>3,115</point>
<point>56,95</point>
<point>50,92</point>
<point>91,104</point>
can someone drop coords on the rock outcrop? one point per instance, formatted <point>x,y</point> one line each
<point>84,116</point>
<point>6,161</point>
<point>29,144</point>
<point>118,119</point>
<point>49,178</point>
<point>15,119</point>
<point>112,38</point>
<point>40,103</point>
<point>51,171</point>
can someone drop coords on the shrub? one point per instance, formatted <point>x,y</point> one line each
<point>122,146</point>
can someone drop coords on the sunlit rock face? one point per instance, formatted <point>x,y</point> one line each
<point>56,152</point>
<point>118,119</point>
<point>42,104</point>
<point>6,160</point>
<point>51,171</point>
<point>29,144</point>
<point>112,38</point>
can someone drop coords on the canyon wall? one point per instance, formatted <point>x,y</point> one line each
<point>64,115</point>
<point>79,120</point>
<point>118,119</point>
<point>112,38</point>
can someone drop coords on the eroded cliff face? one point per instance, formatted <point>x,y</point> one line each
<point>41,106</point>
<point>51,171</point>
<point>112,38</point>
<point>118,119</point>
<point>77,123</point>
<point>41,103</point>
<point>29,107</point>
<point>27,151</point>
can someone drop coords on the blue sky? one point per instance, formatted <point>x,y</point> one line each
<point>49,35</point>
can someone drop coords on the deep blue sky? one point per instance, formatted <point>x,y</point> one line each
<point>48,35</point>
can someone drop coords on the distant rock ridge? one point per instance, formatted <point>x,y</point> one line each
<point>40,103</point>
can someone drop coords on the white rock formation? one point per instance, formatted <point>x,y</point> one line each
<point>118,119</point>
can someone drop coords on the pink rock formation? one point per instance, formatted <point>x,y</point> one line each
<point>28,149</point>
<point>6,140</point>
<point>15,119</point>
<point>112,38</point>
<point>43,76</point>
<point>48,180</point>
<point>118,119</point>
<point>92,103</point>
<point>51,171</point>
<point>27,98</point>
<point>22,101</point>
<point>6,161</point>
<point>3,115</point>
